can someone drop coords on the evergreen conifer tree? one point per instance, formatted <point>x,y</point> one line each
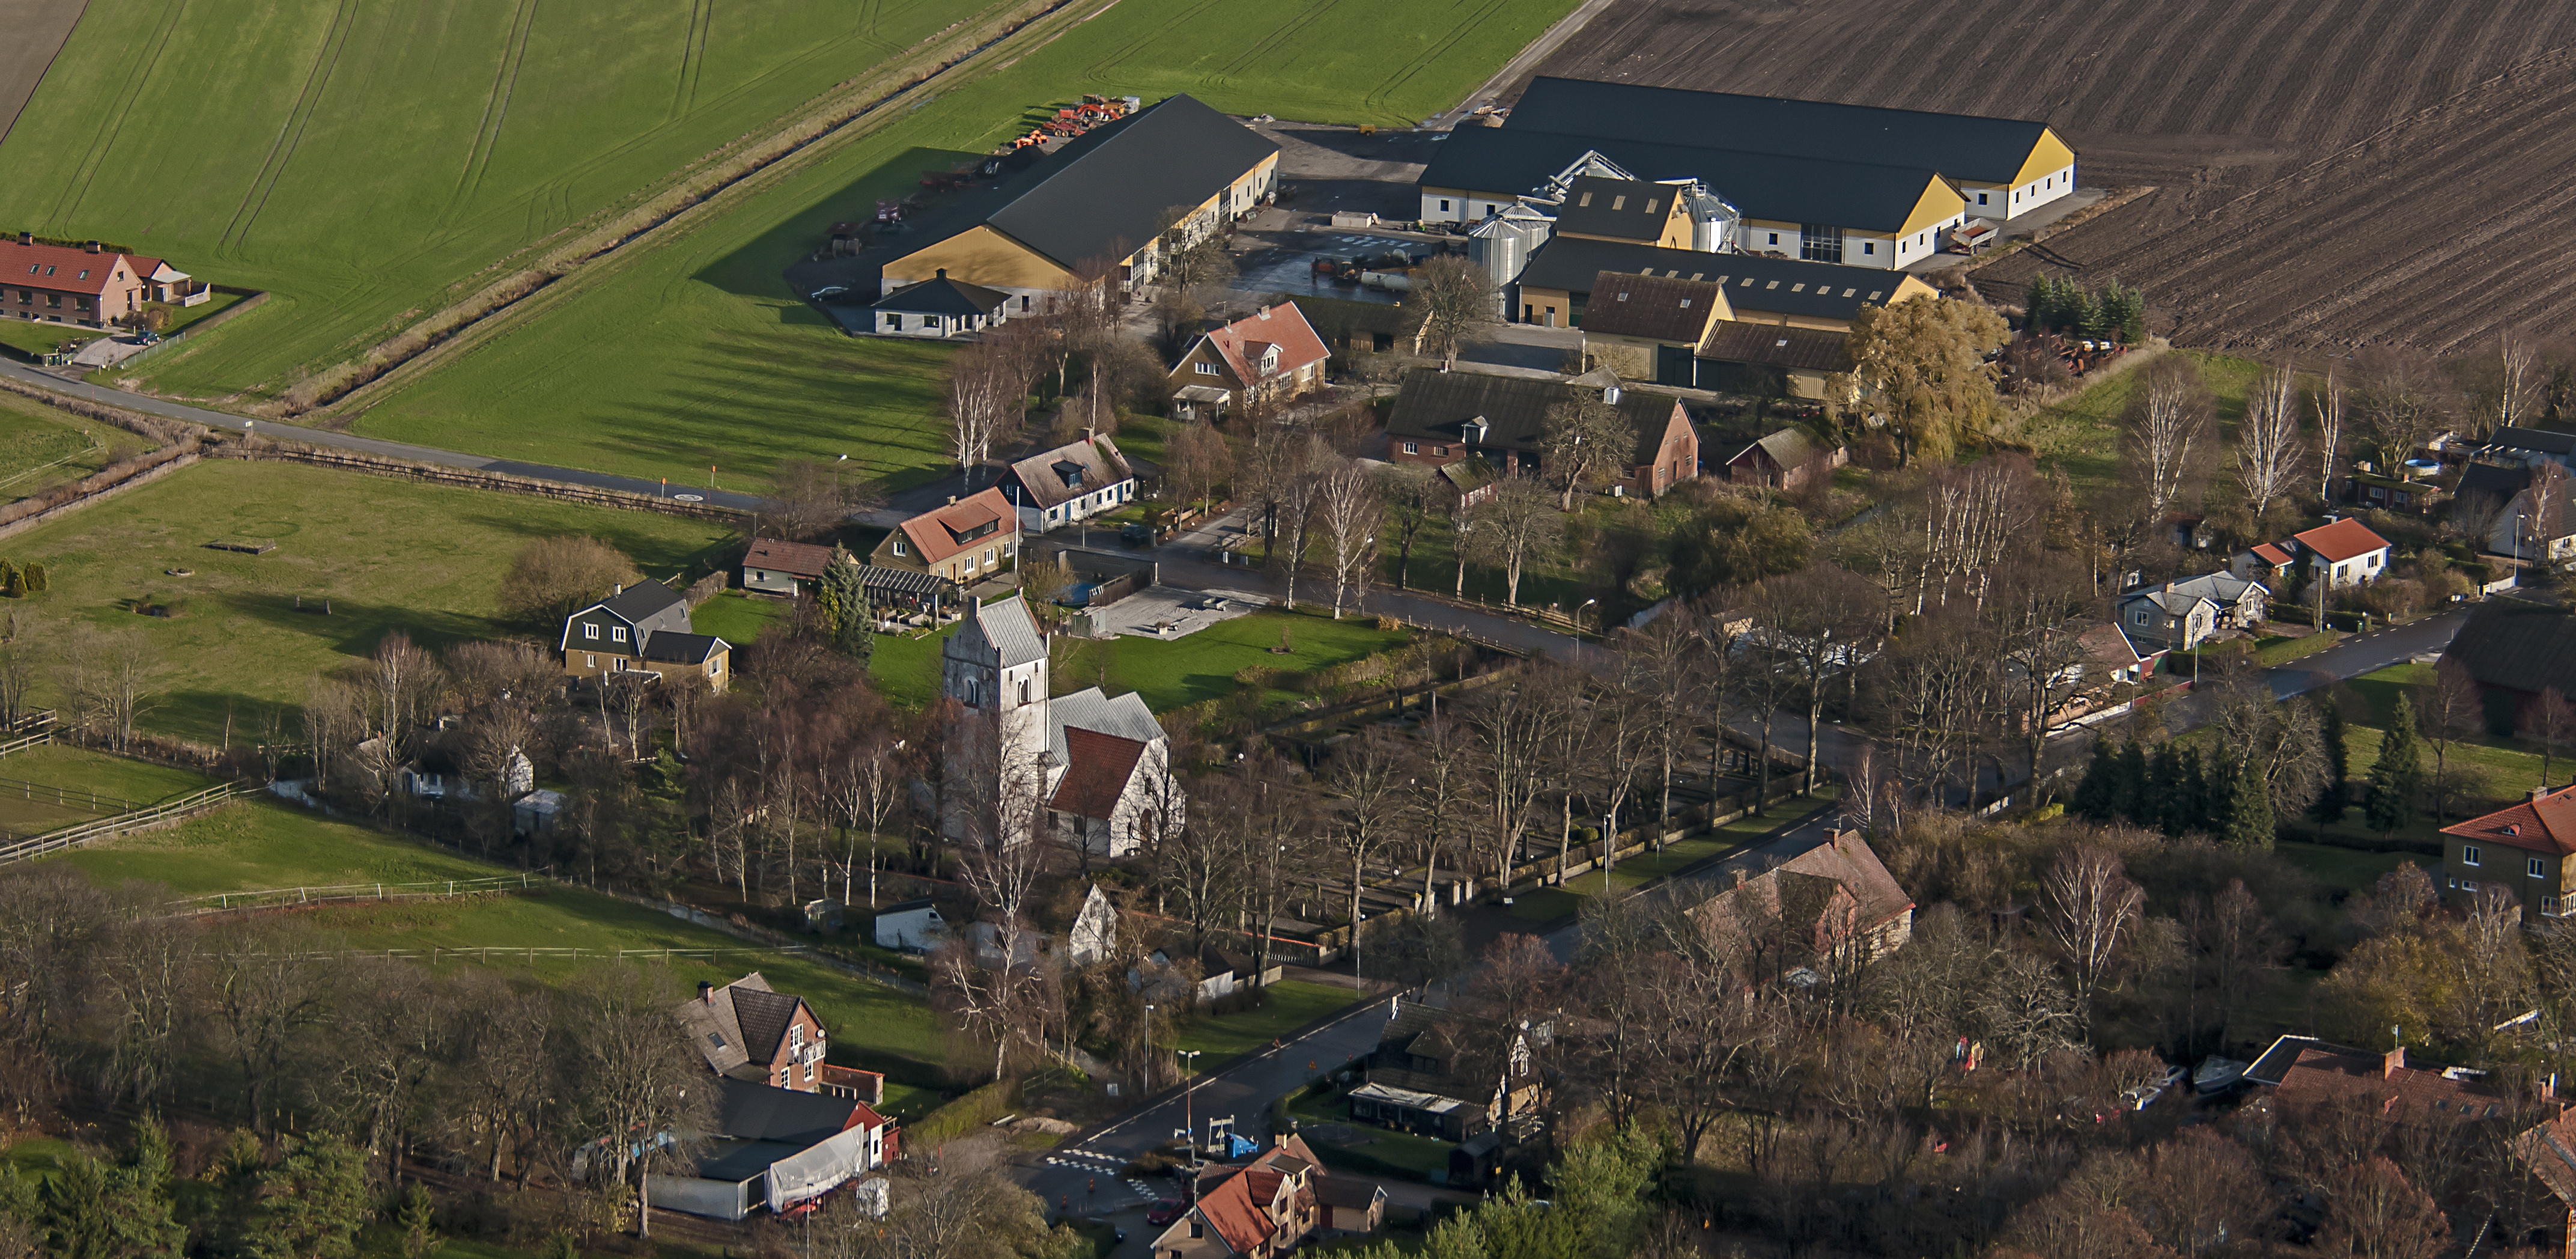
<point>2040,299</point>
<point>2216,793</point>
<point>2097,798</point>
<point>35,579</point>
<point>2137,803</point>
<point>2397,779</point>
<point>2331,802</point>
<point>2249,810</point>
<point>2160,807</point>
<point>844,598</point>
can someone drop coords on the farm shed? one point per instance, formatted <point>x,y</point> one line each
<point>1106,196</point>
<point>1785,291</point>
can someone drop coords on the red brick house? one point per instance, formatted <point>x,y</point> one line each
<point>748,1031</point>
<point>88,287</point>
<point>1268,356</point>
<point>1441,418</point>
<point>1785,460</point>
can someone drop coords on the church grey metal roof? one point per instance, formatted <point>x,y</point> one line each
<point>1008,629</point>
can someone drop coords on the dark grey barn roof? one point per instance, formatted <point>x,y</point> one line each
<point>1862,195</point>
<point>1630,209</point>
<point>1434,405</point>
<point>641,600</point>
<point>940,295</point>
<point>1785,286</point>
<point>667,647</point>
<point>2518,645</point>
<point>760,1112</point>
<point>1962,146</point>
<point>1103,195</point>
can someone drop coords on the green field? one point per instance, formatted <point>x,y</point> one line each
<point>252,846</point>
<point>41,447</point>
<point>52,785</point>
<point>368,163</point>
<point>31,337</point>
<point>695,353</point>
<point>390,555</point>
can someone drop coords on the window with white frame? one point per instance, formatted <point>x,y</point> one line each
<point>2468,854</point>
<point>1204,369</point>
<point>590,631</point>
<point>2534,866</point>
<point>1413,448</point>
<point>617,633</point>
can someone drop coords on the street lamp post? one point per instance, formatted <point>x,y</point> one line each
<point>1189,1089</point>
<point>1149,1048</point>
<point>1578,629</point>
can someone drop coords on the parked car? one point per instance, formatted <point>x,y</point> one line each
<point>830,290</point>
<point>1164,1212</point>
<point>1136,534</point>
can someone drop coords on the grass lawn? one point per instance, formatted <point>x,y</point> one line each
<point>1423,1156</point>
<point>735,617</point>
<point>1201,666</point>
<point>262,845</point>
<point>697,353</point>
<point>41,447</point>
<point>1558,576</point>
<point>182,317</point>
<point>367,163</point>
<point>32,337</point>
<point>1291,1004</point>
<point>391,555</point>
<point>34,1155</point>
<point>85,785</point>
<point>906,666</point>
<point>2345,868</point>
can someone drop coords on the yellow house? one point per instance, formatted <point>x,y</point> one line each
<point>1557,288</point>
<point>1116,199</point>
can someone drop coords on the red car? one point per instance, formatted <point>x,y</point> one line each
<point>1164,1212</point>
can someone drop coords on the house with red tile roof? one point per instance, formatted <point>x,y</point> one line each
<point>2266,562</point>
<point>774,566</point>
<point>85,286</point>
<point>1265,1207</point>
<point>2351,552</point>
<point>1268,356</point>
<point>965,541</point>
<point>2521,850</point>
<point>2304,1072</point>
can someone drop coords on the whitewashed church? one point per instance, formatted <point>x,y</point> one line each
<point>1083,769</point>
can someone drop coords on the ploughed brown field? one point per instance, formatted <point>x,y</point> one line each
<point>2327,173</point>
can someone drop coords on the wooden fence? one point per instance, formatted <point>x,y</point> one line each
<point>282,897</point>
<point>188,805</point>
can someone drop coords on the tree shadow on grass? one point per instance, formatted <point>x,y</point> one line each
<point>755,270</point>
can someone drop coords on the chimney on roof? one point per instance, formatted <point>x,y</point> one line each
<point>2394,1062</point>
<point>90,245</point>
<point>26,238</point>
<point>706,992</point>
<point>616,590</point>
<point>952,500</point>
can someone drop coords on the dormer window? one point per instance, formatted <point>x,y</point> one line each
<point>898,546</point>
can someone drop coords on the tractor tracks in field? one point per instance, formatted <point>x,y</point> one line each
<point>76,189</point>
<point>496,110</point>
<point>290,135</point>
<point>693,57</point>
<point>804,137</point>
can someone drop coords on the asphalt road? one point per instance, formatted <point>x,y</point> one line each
<point>2362,653</point>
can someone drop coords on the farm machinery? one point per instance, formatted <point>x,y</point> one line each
<point>1390,271</point>
<point>1069,121</point>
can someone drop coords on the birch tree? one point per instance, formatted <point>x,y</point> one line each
<point>2267,441</point>
<point>2090,907</point>
<point>2328,404</point>
<point>986,398</point>
<point>1349,508</point>
<point>2166,422</point>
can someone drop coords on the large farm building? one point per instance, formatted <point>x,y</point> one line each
<point>1119,198</point>
<point>1851,184</point>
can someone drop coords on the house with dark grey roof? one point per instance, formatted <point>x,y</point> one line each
<point>1640,321</point>
<point>1632,210</point>
<point>1798,360</point>
<point>1441,418</point>
<point>2180,614</point>
<point>939,307</point>
<point>1810,177</point>
<point>1787,292</point>
<point>1119,197</point>
<point>642,629</point>
<point>1067,485</point>
<point>2518,647</point>
<point>2530,445</point>
<point>748,1031</point>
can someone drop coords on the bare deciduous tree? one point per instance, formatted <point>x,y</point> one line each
<point>1506,530</point>
<point>2332,424</point>
<point>1454,301</point>
<point>1349,509</point>
<point>2403,401</point>
<point>2167,418</point>
<point>2091,905</point>
<point>1200,460</point>
<point>1585,443</point>
<point>986,399</point>
<point>2267,440</point>
<point>2549,720</point>
<point>552,576</point>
